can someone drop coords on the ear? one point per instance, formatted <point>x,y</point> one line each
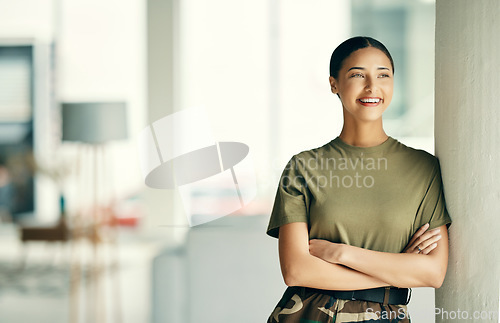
<point>333,85</point>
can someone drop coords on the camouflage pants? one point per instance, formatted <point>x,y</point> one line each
<point>304,305</point>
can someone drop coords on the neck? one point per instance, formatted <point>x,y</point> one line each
<point>363,134</point>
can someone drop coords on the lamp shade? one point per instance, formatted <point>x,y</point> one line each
<point>94,122</point>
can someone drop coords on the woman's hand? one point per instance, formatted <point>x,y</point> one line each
<point>425,240</point>
<point>326,250</point>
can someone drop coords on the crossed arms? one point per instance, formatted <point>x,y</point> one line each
<point>326,265</point>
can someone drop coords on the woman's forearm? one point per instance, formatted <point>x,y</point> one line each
<point>398,269</point>
<point>314,272</point>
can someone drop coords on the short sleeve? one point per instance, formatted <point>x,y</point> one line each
<point>433,206</point>
<point>291,201</point>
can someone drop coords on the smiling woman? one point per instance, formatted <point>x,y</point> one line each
<point>351,253</point>
<point>364,85</point>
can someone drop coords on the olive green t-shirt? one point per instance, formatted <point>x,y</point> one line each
<point>370,197</point>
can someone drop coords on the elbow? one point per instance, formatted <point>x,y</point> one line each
<point>438,281</point>
<point>289,281</point>
<point>291,274</point>
<point>438,277</point>
<point>437,285</point>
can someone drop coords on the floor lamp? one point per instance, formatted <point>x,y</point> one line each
<point>94,124</point>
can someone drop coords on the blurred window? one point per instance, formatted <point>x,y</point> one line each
<point>406,28</point>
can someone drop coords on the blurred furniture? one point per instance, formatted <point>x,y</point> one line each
<point>57,232</point>
<point>95,124</point>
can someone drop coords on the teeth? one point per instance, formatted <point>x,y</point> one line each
<point>370,100</point>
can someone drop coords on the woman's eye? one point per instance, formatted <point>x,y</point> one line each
<point>384,75</point>
<point>357,75</point>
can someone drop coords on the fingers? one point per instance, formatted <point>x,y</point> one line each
<point>419,232</point>
<point>429,244</point>
<point>428,249</point>
<point>423,240</point>
<point>411,247</point>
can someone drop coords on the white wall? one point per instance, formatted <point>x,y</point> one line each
<point>27,19</point>
<point>467,145</point>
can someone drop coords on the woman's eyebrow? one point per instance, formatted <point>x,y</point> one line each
<point>362,68</point>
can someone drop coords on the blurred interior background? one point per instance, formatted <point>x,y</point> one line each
<point>83,239</point>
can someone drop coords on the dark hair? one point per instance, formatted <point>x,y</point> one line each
<point>351,45</point>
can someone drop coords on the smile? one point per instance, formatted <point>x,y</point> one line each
<point>371,102</point>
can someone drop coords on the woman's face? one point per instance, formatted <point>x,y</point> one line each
<point>364,84</point>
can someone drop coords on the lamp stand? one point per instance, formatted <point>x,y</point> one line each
<point>92,227</point>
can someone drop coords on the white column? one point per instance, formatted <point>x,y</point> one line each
<point>468,146</point>
<point>164,208</point>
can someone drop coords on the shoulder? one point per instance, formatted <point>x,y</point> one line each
<point>416,157</point>
<point>306,158</point>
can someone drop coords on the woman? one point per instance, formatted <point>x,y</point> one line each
<point>361,219</point>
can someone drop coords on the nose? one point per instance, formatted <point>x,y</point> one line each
<point>370,85</point>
